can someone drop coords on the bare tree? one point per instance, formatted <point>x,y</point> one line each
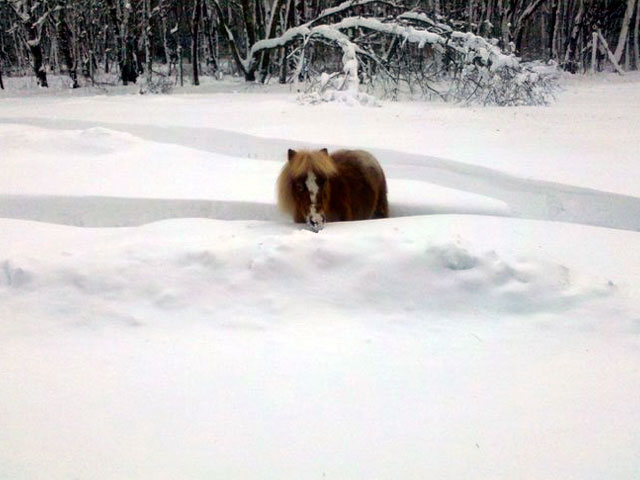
<point>209,34</point>
<point>64,35</point>
<point>195,33</point>
<point>120,15</point>
<point>32,17</point>
<point>522,20</point>
<point>637,37</point>
<point>624,30</point>
<point>64,42</point>
<point>569,60</point>
<point>147,42</point>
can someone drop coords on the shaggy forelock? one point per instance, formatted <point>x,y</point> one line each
<point>317,162</point>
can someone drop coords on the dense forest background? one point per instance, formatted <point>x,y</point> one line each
<point>415,42</point>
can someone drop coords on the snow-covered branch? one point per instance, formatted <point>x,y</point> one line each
<point>233,45</point>
<point>475,59</point>
<point>19,9</point>
<point>423,18</point>
<point>347,5</point>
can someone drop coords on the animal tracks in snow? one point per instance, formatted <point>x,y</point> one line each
<point>100,212</point>
<point>418,184</point>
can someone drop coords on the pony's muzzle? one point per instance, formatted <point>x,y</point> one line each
<point>316,223</point>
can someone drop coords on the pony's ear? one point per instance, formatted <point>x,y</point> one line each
<point>325,151</point>
<point>290,154</point>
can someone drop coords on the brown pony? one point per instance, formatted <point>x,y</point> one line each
<point>315,187</point>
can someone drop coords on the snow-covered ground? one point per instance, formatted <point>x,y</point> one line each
<point>490,329</point>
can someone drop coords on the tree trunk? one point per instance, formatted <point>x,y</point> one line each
<point>273,26</point>
<point>300,12</point>
<point>506,20</point>
<point>113,15</point>
<point>594,52</point>
<point>2,50</point>
<point>249,22</point>
<point>637,36</point>
<point>609,53</point>
<point>250,26</point>
<point>484,28</point>
<point>195,33</point>
<point>558,30</point>
<point>18,51</point>
<point>26,13</point>
<point>123,43</point>
<point>180,66</point>
<point>627,56</point>
<point>212,61</point>
<point>54,57</point>
<point>521,22</point>
<point>553,11</point>
<point>64,37</point>
<point>260,17</point>
<point>106,48</point>
<point>165,40</point>
<point>35,48</point>
<point>147,42</point>
<point>226,32</point>
<point>624,31</point>
<point>130,49</point>
<point>289,20</point>
<point>569,60</point>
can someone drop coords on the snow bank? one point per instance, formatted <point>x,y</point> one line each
<point>222,273</point>
<point>197,348</point>
<point>440,346</point>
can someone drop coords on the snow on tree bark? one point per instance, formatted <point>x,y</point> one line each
<point>534,28</point>
<point>26,12</point>
<point>624,30</point>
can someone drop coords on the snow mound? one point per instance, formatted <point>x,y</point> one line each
<point>345,97</point>
<point>258,273</point>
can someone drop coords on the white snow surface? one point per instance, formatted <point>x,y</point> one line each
<point>160,319</point>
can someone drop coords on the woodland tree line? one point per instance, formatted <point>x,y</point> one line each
<point>337,43</point>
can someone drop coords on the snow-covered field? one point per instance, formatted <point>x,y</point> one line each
<point>160,319</point>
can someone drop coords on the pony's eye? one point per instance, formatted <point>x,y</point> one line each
<point>320,181</point>
<point>300,187</point>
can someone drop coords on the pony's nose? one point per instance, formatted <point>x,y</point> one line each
<point>316,224</point>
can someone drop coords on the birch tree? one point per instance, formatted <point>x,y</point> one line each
<point>569,61</point>
<point>624,30</point>
<point>66,35</point>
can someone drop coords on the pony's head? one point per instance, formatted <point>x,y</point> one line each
<point>304,188</point>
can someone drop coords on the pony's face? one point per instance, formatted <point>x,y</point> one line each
<point>312,194</point>
<point>311,191</point>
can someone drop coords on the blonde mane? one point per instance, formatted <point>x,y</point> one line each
<point>299,164</point>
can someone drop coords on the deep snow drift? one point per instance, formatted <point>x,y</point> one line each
<point>489,330</point>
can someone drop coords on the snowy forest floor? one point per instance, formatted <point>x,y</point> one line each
<point>489,329</point>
